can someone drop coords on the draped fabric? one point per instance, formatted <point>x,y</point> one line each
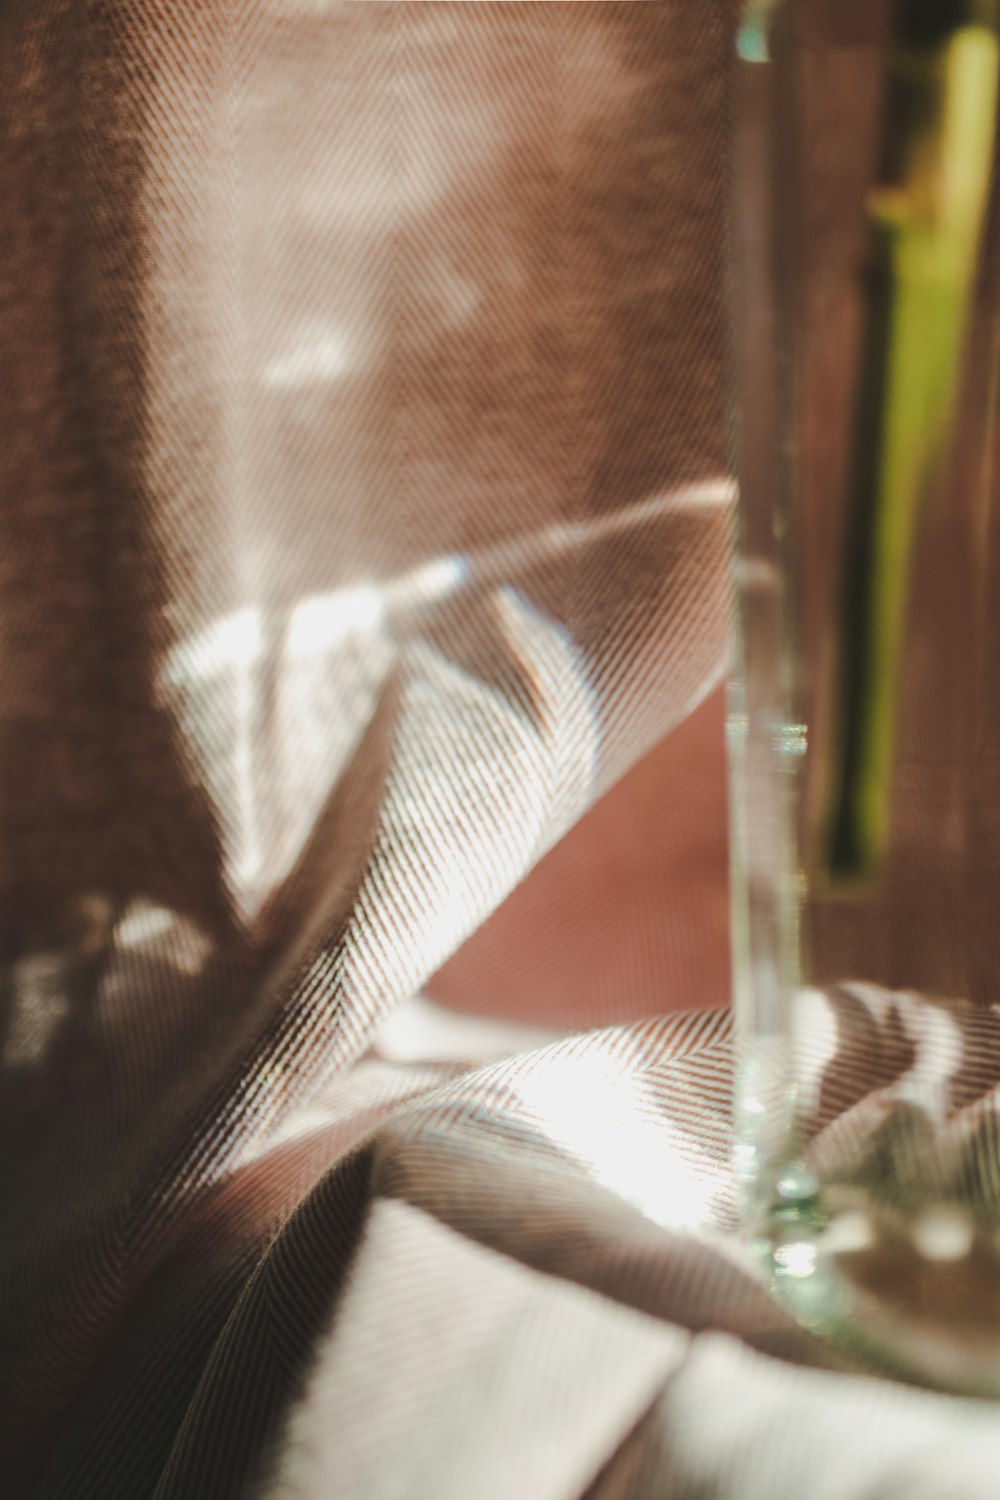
<point>365,523</point>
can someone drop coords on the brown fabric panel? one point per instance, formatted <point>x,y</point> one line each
<point>364,519</point>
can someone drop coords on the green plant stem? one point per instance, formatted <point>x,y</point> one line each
<point>926,223</point>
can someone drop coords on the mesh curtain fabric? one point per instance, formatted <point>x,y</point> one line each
<point>365,518</point>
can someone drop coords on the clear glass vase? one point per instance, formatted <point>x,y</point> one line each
<point>865,720</point>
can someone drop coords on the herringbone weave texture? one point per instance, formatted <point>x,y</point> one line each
<point>364,521</point>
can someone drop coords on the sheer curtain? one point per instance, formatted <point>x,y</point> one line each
<point>365,522</point>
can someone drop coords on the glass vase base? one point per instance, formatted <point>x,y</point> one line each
<point>917,1300</point>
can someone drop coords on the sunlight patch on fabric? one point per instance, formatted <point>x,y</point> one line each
<point>593,1106</point>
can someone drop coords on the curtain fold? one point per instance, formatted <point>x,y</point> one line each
<point>365,516</point>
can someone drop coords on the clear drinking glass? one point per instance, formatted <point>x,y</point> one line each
<point>865,722</point>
